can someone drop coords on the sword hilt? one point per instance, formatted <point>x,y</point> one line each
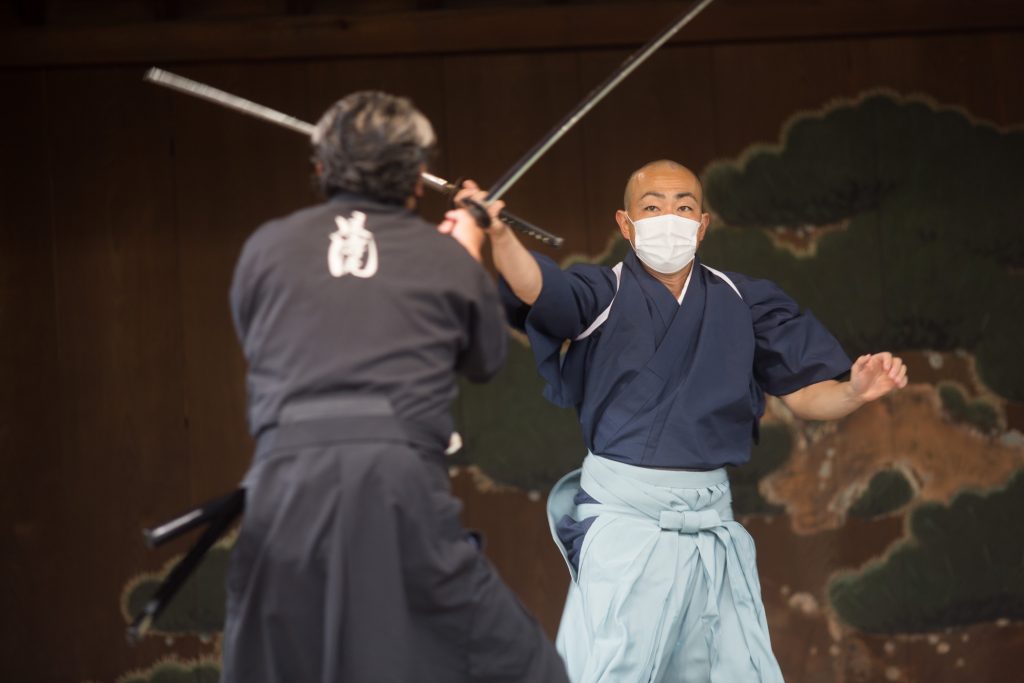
<point>483,219</point>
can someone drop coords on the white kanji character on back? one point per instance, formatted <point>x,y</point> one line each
<point>353,250</point>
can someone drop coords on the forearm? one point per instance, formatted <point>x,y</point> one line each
<point>516,265</point>
<point>828,400</point>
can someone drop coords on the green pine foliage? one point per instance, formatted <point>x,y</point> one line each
<point>173,671</point>
<point>961,565</point>
<point>977,413</point>
<point>887,492</point>
<point>933,252</point>
<point>198,608</point>
<point>511,432</point>
<point>768,455</point>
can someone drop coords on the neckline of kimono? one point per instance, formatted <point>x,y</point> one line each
<point>644,277</point>
<point>686,285</point>
<point>367,204</point>
<point>643,272</point>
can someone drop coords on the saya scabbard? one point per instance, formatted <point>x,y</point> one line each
<point>254,109</point>
<point>186,522</point>
<point>220,514</point>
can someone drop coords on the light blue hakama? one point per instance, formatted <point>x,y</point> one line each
<point>667,588</point>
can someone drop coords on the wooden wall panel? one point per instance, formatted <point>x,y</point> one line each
<point>29,391</point>
<point>957,69</point>
<point>499,106</point>
<point>757,87</point>
<point>123,456</point>
<point>1007,56</point>
<point>201,35</point>
<point>231,174</point>
<point>664,110</point>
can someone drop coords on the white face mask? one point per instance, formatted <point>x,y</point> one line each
<point>665,243</point>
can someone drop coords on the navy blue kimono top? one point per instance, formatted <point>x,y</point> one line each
<point>664,384</point>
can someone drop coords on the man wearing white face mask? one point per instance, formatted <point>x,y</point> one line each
<point>668,366</point>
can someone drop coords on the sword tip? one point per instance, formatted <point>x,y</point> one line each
<point>138,630</point>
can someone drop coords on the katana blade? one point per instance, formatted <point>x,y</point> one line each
<point>240,104</point>
<point>511,176</point>
<point>226,99</point>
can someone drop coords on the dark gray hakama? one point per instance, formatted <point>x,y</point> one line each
<point>352,565</point>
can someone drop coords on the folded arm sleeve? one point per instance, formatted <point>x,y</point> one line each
<point>569,301</point>
<point>793,349</point>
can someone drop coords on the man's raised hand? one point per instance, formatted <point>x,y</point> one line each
<point>875,375</point>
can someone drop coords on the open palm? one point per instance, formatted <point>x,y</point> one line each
<point>875,375</point>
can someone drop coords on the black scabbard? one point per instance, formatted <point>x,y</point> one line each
<point>187,521</point>
<point>220,514</point>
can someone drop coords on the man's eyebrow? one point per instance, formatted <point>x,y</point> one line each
<point>659,195</point>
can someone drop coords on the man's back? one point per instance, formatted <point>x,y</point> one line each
<point>358,296</point>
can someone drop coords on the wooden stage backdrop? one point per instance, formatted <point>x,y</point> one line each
<point>123,207</point>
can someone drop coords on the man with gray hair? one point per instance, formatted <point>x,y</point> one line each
<point>355,316</point>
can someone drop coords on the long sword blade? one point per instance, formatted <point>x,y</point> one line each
<point>226,99</point>
<point>596,95</point>
<point>240,104</point>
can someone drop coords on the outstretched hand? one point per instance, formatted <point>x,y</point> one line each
<point>875,375</point>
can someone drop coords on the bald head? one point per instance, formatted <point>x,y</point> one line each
<point>662,188</point>
<point>661,175</point>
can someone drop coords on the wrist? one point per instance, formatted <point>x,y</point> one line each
<point>499,233</point>
<point>852,396</point>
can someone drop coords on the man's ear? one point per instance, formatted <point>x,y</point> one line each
<point>318,168</point>
<point>625,227</point>
<point>705,222</point>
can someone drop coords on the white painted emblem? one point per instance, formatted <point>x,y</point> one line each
<point>353,250</point>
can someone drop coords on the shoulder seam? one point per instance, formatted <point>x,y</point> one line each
<point>724,278</point>
<point>603,315</point>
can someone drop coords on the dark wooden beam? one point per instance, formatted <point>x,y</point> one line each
<point>30,12</point>
<point>167,10</point>
<point>539,27</point>
<point>299,7</point>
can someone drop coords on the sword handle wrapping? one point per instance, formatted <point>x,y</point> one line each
<point>527,228</point>
<point>483,219</point>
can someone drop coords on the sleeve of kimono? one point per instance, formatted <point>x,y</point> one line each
<point>568,303</point>
<point>487,342</point>
<point>793,349</point>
